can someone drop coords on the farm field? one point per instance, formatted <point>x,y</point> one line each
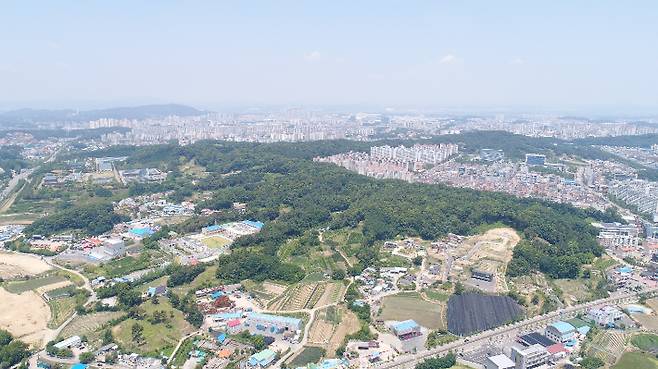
<point>653,304</point>
<point>308,295</point>
<point>264,291</point>
<point>608,346</point>
<point>18,265</point>
<point>636,360</point>
<point>326,323</point>
<point>19,287</point>
<point>309,354</point>
<point>647,321</point>
<point>646,342</point>
<point>159,337</point>
<point>410,305</point>
<point>60,310</point>
<point>25,316</point>
<point>89,325</point>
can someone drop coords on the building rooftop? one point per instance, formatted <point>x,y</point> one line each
<point>263,355</point>
<point>275,318</point>
<point>563,327</point>
<point>502,361</point>
<point>536,338</point>
<point>405,325</point>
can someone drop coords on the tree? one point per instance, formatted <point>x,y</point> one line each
<point>338,275</point>
<point>591,362</point>
<point>107,337</point>
<point>137,331</point>
<point>86,357</point>
<point>459,288</point>
<point>438,362</point>
<point>129,298</point>
<point>417,261</point>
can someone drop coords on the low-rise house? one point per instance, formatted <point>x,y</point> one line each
<point>605,316</point>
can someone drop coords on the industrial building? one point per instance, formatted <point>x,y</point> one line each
<point>406,329</point>
<point>275,323</point>
<point>72,341</point>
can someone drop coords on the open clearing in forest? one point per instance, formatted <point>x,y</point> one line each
<point>488,252</point>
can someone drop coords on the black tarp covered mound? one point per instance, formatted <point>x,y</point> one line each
<point>472,312</point>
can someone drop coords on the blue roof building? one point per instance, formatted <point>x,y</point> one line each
<point>217,294</point>
<point>227,316</point>
<point>405,327</point>
<point>262,359</point>
<point>561,332</point>
<point>142,232</point>
<point>254,223</point>
<point>278,321</point>
<point>221,337</point>
<point>79,366</point>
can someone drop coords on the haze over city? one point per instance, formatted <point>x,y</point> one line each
<point>589,56</point>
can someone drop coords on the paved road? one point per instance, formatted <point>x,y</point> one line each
<point>464,344</point>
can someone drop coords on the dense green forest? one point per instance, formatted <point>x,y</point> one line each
<point>92,219</point>
<point>292,194</point>
<point>12,351</point>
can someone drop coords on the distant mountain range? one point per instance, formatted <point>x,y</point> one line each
<point>30,116</point>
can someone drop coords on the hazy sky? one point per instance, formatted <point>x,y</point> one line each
<point>398,53</point>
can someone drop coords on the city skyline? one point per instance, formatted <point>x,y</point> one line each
<point>586,57</point>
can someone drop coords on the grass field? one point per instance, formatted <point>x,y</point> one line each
<point>19,287</point>
<point>158,338</point>
<point>310,354</point>
<point>60,310</point>
<point>436,295</point>
<point>636,360</point>
<point>411,306</point>
<point>215,242</point>
<point>120,267</point>
<point>206,279</point>
<point>646,342</point>
<point>90,326</point>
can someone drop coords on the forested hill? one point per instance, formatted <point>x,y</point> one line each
<point>293,194</point>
